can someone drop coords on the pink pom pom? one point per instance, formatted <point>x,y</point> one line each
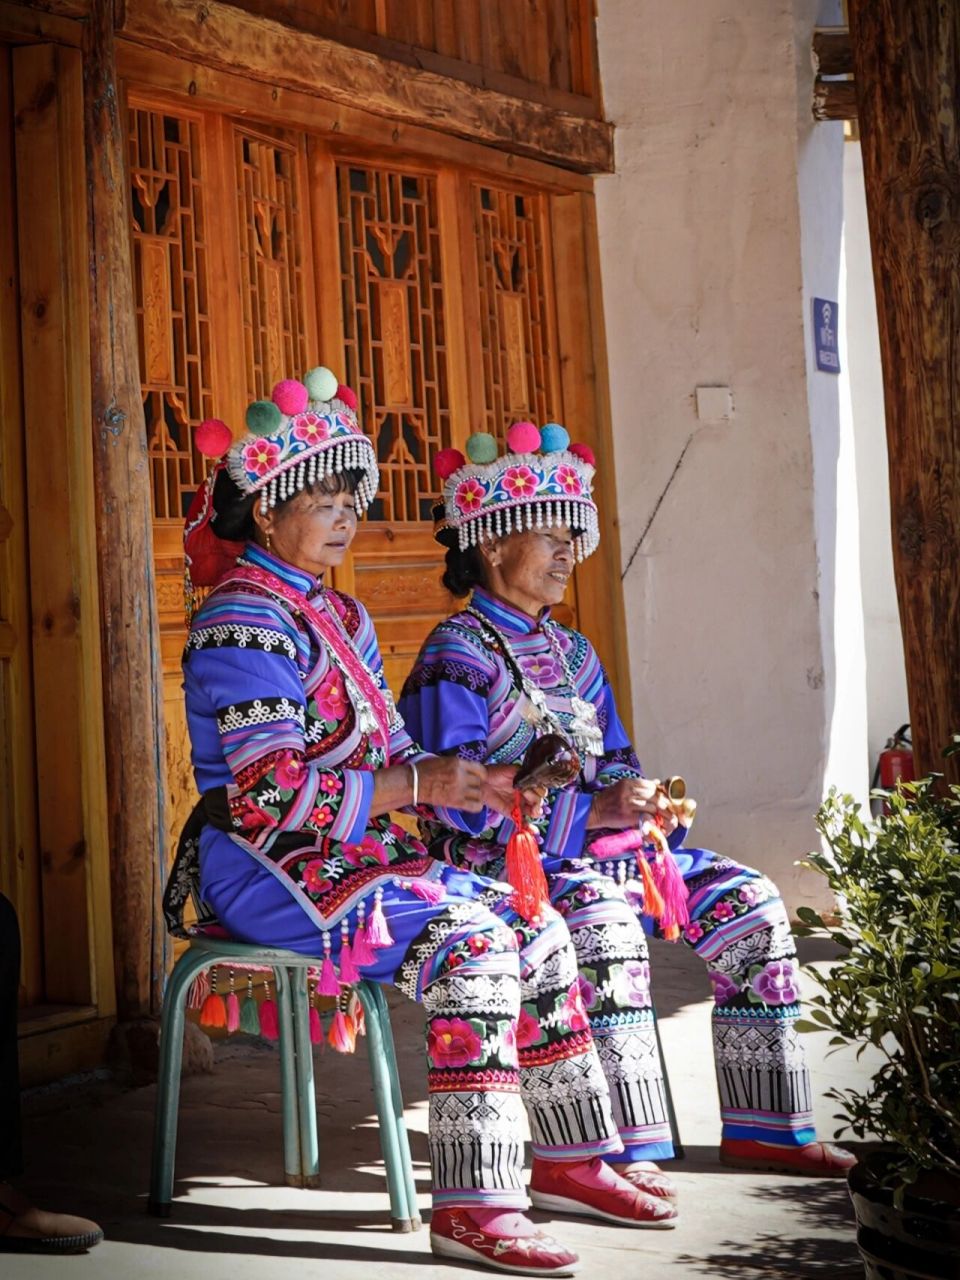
<point>290,396</point>
<point>523,437</point>
<point>584,453</point>
<point>213,438</point>
<point>348,397</point>
<point>447,462</point>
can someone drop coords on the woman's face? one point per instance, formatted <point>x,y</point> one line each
<point>312,531</point>
<point>530,569</point>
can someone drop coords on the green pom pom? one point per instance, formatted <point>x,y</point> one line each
<point>482,448</point>
<point>321,383</point>
<point>263,418</point>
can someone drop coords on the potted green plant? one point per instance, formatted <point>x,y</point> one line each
<point>896,987</point>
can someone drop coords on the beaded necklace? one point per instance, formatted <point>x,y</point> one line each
<point>584,727</point>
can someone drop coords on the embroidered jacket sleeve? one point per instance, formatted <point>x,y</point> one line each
<point>247,714</point>
<point>404,748</point>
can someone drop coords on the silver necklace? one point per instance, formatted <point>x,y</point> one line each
<point>367,722</point>
<point>584,727</point>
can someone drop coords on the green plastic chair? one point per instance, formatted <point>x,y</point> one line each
<point>300,1144</point>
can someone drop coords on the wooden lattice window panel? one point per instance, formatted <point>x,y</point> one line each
<point>170,270</point>
<point>395,328</point>
<point>516,327</point>
<point>273,263</point>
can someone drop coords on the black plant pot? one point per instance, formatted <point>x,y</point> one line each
<point>921,1240</point>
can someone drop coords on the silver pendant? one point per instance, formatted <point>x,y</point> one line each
<point>585,727</point>
<point>534,709</point>
<point>366,720</point>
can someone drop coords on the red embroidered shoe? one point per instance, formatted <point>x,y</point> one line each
<point>814,1160</point>
<point>591,1189</point>
<point>454,1234</point>
<point>650,1179</point>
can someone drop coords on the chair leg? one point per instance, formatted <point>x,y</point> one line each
<point>167,1104</point>
<point>292,1164</point>
<point>393,1137</point>
<point>678,1151</point>
<point>306,1090</point>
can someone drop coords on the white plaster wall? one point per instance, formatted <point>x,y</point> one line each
<point>886,679</point>
<point>734,668</point>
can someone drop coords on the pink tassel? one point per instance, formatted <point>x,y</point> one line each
<point>378,934</point>
<point>199,990</point>
<point>342,1035</point>
<point>674,892</point>
<point>363,953</point>
<point>329,984</point>
<point>348,970</point>
<point>269,1026</point>
<point>233,1013</point>
<point>316,1026</point>
<point>428,890</point>
<point>621,842</point>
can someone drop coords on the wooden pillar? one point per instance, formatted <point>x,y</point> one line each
<point>907,73</point>
<point>131,649</point>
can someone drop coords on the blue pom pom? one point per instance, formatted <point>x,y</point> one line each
<point>263,418</point>
<point>482,448</point>
<point>554,438</point>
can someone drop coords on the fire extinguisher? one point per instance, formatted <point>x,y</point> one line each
<point>895,762</point>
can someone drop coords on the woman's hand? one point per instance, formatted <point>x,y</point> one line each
<point>454,783</point>
<point>500,792</point>
<point>628,802</point>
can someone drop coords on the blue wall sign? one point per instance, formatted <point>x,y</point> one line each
<point>826,332</point>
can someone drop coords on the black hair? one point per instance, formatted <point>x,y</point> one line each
<point>464,570</point>
<point>233,519</point>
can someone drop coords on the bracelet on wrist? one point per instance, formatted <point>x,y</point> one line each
<point>414,783</point>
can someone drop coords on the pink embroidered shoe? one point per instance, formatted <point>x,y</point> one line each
<point>455,1234</point>
<point>650,1179</point>
<point>814,1160</point>
<point>591,1189</point>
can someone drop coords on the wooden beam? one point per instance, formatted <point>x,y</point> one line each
<point>834,100</point>
<point>907,66</point>
<point>832,54</point>
<point>132,666</point>
<point>216,34</point>
<point>21,24</point>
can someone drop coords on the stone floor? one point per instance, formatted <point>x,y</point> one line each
<point>88,1150</point>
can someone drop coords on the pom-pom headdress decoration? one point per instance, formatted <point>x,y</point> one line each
<point>305,432</point>
<point>541,481</point>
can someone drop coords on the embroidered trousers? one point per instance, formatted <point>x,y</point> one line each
<point>477,969</point>
<point>739,928</point>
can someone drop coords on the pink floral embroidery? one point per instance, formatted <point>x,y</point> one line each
<point>694,931</point>
<point>314,879</point>
<point>478,944</point>
<point>528,1030</point>
<point>572,1011</point>
<point>368,853</point>
<point>777,983</point>
<point>543,669</point>
<point>633,985</point>
<point>724,987</point>
<point>290,771</point>
<point>724,911</point>
<point>310,428</point>
<point>751,894</point>
<point>469,494</point>
<point>508,1045</point>
<point>322,816</point>
<point>330,783</point>
<point>331,697</point>
<point>588,992</point>
<point>451,1042</point>
<point>519,482</point>
<point>260,456</point>
<point>569,481</point>
<point>253,818</point>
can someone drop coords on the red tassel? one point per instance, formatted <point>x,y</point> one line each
<point>342,1034</point>
<point>269,1025</point>
<point>525,870</point>
<point>378,933</point>
<point>214,1011</point>
<point>233,1013</point>
<point>199,990</point>
<point>316,1026</point>
<point>348,969</point>
<point>428,890</point>
<point>363,953</point>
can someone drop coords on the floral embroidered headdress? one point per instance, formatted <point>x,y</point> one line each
<point>305,432</point>
<point>540,482</point>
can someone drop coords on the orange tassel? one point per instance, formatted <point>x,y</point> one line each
<point>652,900</point>
<point>342,1034</point>
<point>214,1011</point>
<point>525,870</point>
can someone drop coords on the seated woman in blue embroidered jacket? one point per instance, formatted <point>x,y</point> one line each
<point>300,756</point>
<point>494,677</point>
